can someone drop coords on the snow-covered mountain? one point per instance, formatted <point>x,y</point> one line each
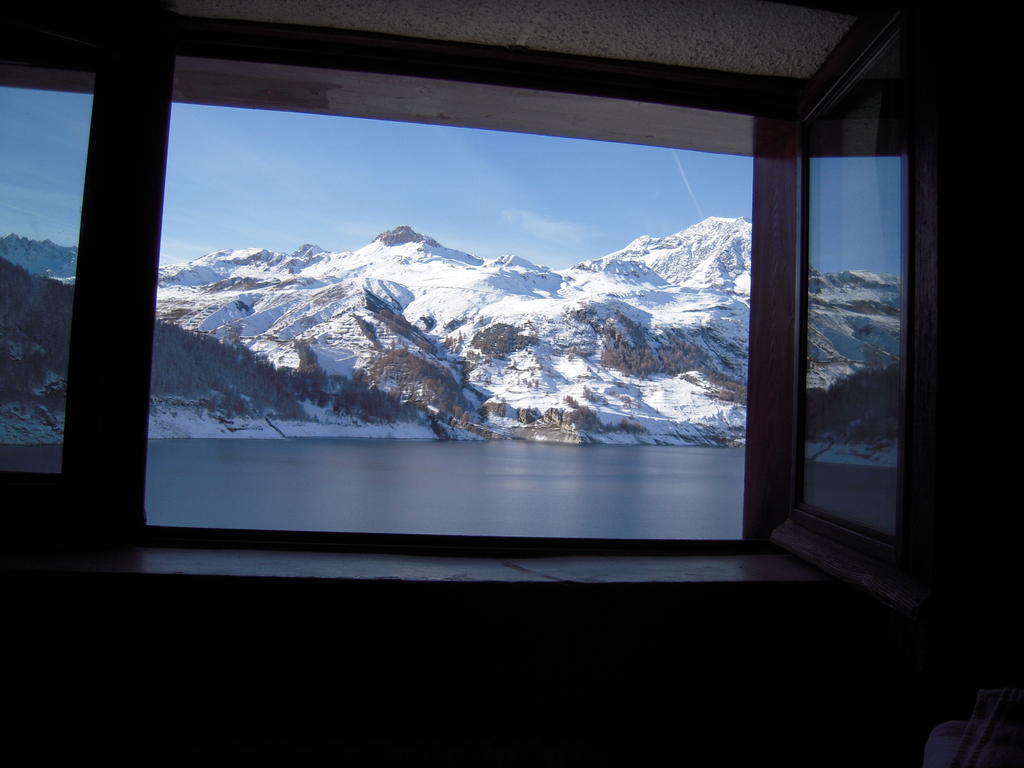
<point>711,255</point>
<point>854,324</point>
<point>405,337</point>
<point>42,258</point>
<point>648,344</point>
<point>853,343</point>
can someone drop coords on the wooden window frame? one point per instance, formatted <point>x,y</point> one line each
<point>896,571</point>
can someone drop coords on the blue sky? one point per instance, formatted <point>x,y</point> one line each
<point>240,178</point>
<point>44,139</point>
<point>856,213</point>
<point>249,178</point>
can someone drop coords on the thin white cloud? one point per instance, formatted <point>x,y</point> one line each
<point>686,181</point>
<point>544,228</point>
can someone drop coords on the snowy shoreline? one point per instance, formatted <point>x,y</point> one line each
<point>169,422</point>
<point>176,420</point>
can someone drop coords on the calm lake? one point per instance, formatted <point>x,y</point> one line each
<point>492,488</point>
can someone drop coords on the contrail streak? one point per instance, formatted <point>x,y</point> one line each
<point>686,181</point>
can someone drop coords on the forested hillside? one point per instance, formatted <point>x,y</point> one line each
<point>35,321</point>
<point>228,379</point>
<point>222,380</point>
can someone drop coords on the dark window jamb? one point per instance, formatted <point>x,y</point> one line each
<point>773,301</point>
<point>108,376</point>
<point>921,462</point>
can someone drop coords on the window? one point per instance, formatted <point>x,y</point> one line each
<point>108,396</point>
<point>863,453</point>
<point>856,246</point>
<point>534,340</point>
<point>44,134</point>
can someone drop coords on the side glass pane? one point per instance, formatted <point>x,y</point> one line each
<point>856,245</point>
<point>389,327</point>
<point>44,137</point>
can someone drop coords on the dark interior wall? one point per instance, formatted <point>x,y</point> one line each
<point>452,673</point>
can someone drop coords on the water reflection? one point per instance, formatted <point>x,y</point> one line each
<point>496,488</point>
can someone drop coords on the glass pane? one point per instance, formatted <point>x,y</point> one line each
<point>504,333</point>
<point>44,137</point>
<point>856,251</point>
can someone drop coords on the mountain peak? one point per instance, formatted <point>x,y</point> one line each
<point>13,238</point>
<point>711,254</point>
<point>307,250</point>
<point>403,234</point>
<point>724,220</point>
<point>40,257</point>
<point>719,224</point>
<point>511,260</point>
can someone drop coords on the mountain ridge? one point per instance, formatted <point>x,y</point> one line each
<point>40,257</point>
<point>528,351</point>
<point>647,344</point>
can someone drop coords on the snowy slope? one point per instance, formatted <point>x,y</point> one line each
<point>854,324</point>
<point>711,255</point>
<point>645,345</point>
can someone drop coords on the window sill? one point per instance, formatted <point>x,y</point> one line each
<point>567,569</point>
<point>884,581</point>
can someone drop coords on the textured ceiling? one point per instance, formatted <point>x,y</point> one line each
<point>745,36</point>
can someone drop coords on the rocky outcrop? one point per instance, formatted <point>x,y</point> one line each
<point>402,235</point>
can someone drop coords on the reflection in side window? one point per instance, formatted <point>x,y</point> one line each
<point>854,289</point>
<point>44,137</point>
<point>403,328</point>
